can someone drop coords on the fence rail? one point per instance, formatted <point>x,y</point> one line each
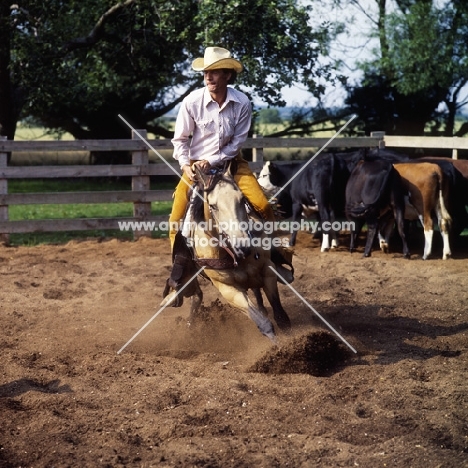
<point>140,171</point>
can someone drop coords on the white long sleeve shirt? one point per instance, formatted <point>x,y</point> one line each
<point>218,133</point>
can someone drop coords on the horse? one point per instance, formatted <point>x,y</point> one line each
<point>225,239</point>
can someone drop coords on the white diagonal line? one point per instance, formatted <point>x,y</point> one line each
<point>312,158</point>
<point>148,144</point>
<point>314,311</point>
<point>159,311</point>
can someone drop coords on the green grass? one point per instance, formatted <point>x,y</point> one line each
<point>77,210</point>
<point>81,210</point>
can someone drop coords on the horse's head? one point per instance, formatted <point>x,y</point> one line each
<point>228,210</point>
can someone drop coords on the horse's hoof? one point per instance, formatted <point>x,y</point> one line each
<point>272,338</point>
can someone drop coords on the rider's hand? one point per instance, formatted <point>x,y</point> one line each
<point>203,165</point>
<point>187,170</point>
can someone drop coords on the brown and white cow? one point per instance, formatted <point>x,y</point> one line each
<point>427,194</point>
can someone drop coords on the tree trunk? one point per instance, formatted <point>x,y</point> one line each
<point>8,116</point>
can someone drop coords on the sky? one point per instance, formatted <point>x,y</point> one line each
<point>352,46</point>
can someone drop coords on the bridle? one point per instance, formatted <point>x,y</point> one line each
<point>209,181</point>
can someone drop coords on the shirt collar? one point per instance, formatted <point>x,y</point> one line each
<point>229,97</point>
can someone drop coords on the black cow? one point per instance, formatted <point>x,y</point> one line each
<point>374,193</point>
<point>313,186</point>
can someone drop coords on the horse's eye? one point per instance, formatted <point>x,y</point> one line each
<point>213,207</point>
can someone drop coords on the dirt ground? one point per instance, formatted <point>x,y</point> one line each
<point>221,395</point>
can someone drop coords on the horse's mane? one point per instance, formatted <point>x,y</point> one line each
<point>198,210</point>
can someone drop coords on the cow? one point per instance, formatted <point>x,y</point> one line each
<point>375,193</point>
<point>307,187</point>
<point>427,194</point>
<point>460,164</point>
<point>456,173</point>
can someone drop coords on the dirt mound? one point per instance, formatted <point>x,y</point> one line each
<point>316,353</point>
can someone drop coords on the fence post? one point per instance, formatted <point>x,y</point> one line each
<point>141,210</point>
<point>379,135</point>
<point>257,153</point>
<point>4,237</point>
<point>454,150</point>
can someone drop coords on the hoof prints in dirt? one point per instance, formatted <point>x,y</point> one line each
<point>317,353</point>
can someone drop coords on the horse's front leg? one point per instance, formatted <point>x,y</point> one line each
<point>238,298</point>
<point>270,287</point>
<point>258,297</point>
<point>195,303</point>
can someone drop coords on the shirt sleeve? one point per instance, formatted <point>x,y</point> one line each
<point>232,148</point>
<point>183,129</point>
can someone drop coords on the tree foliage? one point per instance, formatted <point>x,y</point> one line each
<point>76,65</point>
<point>422,63</point>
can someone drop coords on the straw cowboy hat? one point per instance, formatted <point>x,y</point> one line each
<point>215,58</point>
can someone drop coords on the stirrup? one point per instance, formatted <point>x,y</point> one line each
<point>174,281</point>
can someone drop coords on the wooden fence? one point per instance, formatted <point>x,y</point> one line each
<point>140,170</point>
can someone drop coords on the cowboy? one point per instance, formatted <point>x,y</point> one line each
<point>212,125</point>
<point>217,118</point>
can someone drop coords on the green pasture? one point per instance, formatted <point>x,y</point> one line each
<point>77,210</point>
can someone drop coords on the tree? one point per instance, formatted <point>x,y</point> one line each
<point>421,64</point>
<point>76,65</point>
<point>269,116</point>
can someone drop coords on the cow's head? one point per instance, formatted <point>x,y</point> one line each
<point>264,178</point>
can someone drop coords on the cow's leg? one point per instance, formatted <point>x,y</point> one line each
<point>384,233</point>
<point>428,225</point>
<point>384,230</point>
<point>358,224</point>
<point>447,253</point>
<point>324,215</point>
<point>444,221</point>
<point>398,205</point>
<point>400,222</point>
<point>444,231</point>
<point>428,235</point>
<point>334,233</point>
<point>297,212</point>
<point>325,247</point>
<point>372,226</point>
<point>238,298</point>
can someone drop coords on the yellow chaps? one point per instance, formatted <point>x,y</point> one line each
<point>245,180</point>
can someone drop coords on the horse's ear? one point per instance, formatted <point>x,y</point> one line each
<point>201,176</point>
<point>231,169</point>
